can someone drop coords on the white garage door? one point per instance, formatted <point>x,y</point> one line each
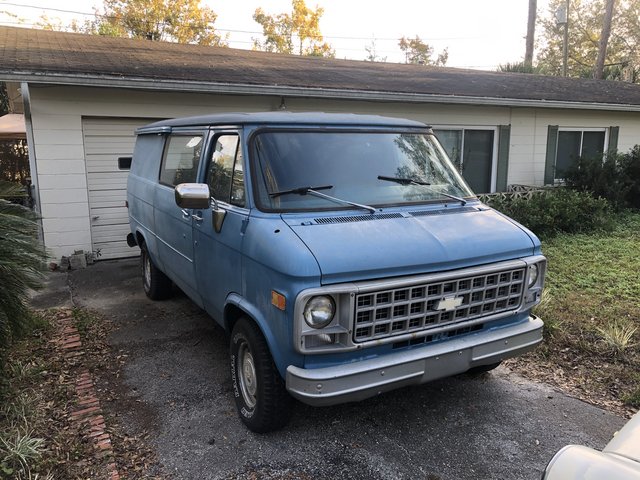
<point>106,139</point>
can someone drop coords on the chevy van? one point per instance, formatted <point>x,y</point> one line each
<point>344,254</point>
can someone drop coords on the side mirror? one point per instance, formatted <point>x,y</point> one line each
<point>192,195</point>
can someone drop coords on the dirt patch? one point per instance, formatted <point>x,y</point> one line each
<point>133,456</point>
<point>59,379</point>
<point>40,396</point>
<point>578,364</point>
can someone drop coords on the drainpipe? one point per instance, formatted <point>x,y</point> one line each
<point>31,148</point>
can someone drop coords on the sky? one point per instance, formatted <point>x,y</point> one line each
<point>479,34</point>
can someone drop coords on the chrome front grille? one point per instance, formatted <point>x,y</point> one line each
<point>424,306</point>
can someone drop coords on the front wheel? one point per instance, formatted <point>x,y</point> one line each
<point>156,284</point>
<point>261,397</point>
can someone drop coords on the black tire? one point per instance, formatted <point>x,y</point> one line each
<point>156,284</point>
<point>261,397</point>
<point>480,369</point>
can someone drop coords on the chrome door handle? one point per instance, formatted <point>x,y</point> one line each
<point>185,214</point>
<point>197,218</point>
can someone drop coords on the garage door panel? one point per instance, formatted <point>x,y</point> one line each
<point>107,240</point>
<point>119,252</point>
<point>115,210</point>
<point>107,180</point>
<point>106,221</point>
<point>106,139</point>
<point>107,195</point>
<point>107,163</point>
<point>113,187</point>
<point>118,202</point>
<point>111,230</point>
<point>106,201</point>
<point>114,148</point>
<point>105,128</point>
<point>109,177</point>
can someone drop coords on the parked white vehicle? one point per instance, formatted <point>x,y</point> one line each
<point>620,459</point>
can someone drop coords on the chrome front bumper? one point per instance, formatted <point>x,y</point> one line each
<point>359,380</point>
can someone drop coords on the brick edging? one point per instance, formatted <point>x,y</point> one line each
<point>87,413</point>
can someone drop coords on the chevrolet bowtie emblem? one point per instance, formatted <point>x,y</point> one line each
<point>449,303</point>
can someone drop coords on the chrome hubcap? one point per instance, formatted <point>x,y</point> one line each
<point>247,375</point>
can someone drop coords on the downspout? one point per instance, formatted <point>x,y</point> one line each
<point>31,148</point>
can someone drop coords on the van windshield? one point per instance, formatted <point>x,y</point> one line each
<point>353,167</point>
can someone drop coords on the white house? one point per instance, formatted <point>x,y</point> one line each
<point>84,96</point>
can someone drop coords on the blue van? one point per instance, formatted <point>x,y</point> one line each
<point>344,254</point>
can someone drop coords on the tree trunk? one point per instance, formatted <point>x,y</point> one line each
<point>531,30</point>
<point>604,39</point>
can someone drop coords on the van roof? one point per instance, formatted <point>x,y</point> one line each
<point>280,118</point>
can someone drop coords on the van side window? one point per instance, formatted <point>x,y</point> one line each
<point>225,176</point>
<point>181,159</point>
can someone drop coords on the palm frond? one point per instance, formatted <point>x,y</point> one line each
<point>22,260</point>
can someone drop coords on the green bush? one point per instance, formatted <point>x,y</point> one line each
<point>550,212</point>
<point>22,259</point>
<point>616,179</point>
<point>630,166</point>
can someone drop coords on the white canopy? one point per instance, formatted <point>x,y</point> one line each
<point>12,126</point>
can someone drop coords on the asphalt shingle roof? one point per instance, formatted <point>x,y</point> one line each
<point>60,57</point>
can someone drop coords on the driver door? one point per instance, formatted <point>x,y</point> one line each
<point>218,248</point>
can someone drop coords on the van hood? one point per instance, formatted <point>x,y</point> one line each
<point>366,246</point>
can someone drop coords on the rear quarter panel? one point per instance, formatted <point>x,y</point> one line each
<point>141,184</point>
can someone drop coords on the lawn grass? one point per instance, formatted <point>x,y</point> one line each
<point>592,315</point>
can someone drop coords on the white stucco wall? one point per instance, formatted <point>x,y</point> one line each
<point>57,114</point>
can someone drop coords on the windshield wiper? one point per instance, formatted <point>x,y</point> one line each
<point>299,190</point>
<point>412,181</point>
<point>314,191</point>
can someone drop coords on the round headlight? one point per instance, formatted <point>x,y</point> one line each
<point>319,311</point>
<point>533,275</point>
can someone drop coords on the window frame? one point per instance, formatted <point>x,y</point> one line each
<point>253,162</point>
<point>556,178</point>
<point>212,141</point>
<point>494,153</point>
<point>165,152</point>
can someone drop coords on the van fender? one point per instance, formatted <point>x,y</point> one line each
<point>150,241</point>
<point>254,313</point>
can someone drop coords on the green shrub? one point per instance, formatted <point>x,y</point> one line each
<point>21,262</point>
<point>616,179</point>
<point>630,166</point>
<point>548,213</point>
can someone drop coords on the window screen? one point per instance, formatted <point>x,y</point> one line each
<point>181,159</point>
<point>471,151</point>
<point>451,141</point>
<point>574,144</point>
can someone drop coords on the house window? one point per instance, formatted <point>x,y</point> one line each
<point>578,143</point>
<point>181,159</point>
<point>472,151</point>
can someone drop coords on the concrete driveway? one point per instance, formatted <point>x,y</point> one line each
<point>497,426</point>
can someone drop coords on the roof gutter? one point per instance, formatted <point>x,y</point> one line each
<point>303,92</point>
